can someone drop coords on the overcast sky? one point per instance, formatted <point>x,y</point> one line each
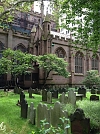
<point>37,7</point>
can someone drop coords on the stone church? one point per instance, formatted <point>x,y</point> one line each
<point>40,38</point>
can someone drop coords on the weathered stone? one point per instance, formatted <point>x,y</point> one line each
<point>24,109</point>
<point>49,97</point>
<point>72,97</point>
<point>44,95</point>
<point>79,124</point>
<point>32,113</point>
<point>63,98</point>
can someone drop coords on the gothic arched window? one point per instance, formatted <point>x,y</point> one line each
<point>21,47</point>
<point>79,62</point>
<point>94,62</point>
<point>60,52</point>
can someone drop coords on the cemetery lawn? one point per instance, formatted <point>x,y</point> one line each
<point>10,112</point>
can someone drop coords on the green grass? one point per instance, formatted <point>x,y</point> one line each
<point>10,113</point>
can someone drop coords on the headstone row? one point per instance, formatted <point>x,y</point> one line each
<point>51,115</point>
<point>71,98</point>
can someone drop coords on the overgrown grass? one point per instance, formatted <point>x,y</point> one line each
<point>10,113</point>
<point>91,110</point>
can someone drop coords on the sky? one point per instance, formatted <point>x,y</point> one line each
<point>46,7</point>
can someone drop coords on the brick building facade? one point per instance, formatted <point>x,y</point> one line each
<point>44,39</point>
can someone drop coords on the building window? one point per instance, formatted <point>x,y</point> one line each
<point>28,77</point>
<point>79,63</point>
<point>21,47</point>
<point>95,63</point>
<point>60,53</point>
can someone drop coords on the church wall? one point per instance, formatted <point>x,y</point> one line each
<point>18,39</point>
<point>3,37</point>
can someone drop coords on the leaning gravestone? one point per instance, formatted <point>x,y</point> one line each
<point>44,95</point>
<point>24,109</point>
<point>79,124</point>
<point>72,97</point>
<point>32,113</point>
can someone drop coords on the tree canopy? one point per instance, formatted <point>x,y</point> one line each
<point>82,18</point>
<point>16,62</point>
<point>8,8</point>
<point>92,78</point>
<point>51,62</point>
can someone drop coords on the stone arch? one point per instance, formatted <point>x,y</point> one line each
<point>79,53</point>
<point>60,52</point>
<point>21,47</point>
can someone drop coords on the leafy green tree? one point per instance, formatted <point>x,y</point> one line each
<point>5,65</point>
<point>92,78</point>
<point>16,62</point>
<point>8,8</point>
<point>51,62</point>
<point>84,16</point>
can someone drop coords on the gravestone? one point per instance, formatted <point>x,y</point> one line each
<point>5,89</point>
<point>94,98</point>
<point>98,91</point>
<point>79,124</point>
<point>44,95</point>
<point>56,114</point>
<point>49,97</point>
<point>22,97</point>
<point>82,90</point>
<point>42,113</point>
<point>32,113</point>
<point>51,115</point>
<point>30,92</point>
<point>93,91</point>
<point>55,93</point>
<point>15,89</point>
<point>72,97</point>
<point>63,98</point>
<point>24,109</point>
<point>19,90</point>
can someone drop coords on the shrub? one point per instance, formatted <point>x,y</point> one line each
<point>92,78</point>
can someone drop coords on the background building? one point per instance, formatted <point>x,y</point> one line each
<point>38,35</point>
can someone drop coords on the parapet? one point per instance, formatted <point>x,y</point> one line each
<point>60,35</point>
